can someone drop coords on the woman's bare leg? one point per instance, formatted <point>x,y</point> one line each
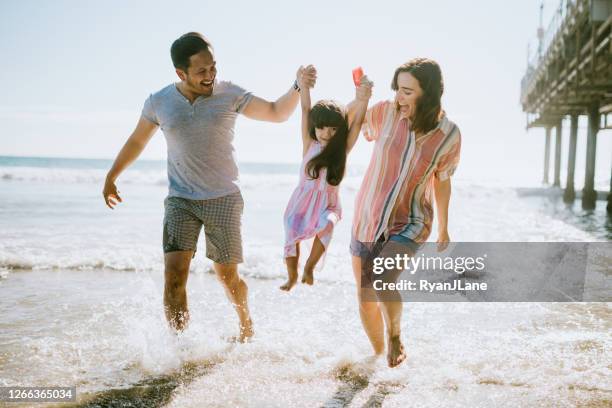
<point>370,313</point>
<point>315,255</point>
<point>292,269</point>
<point>392,313</point>
<point>391,306</point>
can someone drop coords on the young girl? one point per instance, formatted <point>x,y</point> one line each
<point>314,207</point>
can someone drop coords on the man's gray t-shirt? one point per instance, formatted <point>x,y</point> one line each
<point>201,162</point>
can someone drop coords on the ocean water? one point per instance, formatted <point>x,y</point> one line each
<point>81,304</point>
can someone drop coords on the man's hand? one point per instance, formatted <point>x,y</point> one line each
<point>110,193</point>
<point>306,76</point>
<point>443,240</point>
<point>129,152</point>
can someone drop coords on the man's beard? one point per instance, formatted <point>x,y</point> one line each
<point>200,89</point>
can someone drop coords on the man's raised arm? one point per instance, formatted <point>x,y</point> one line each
<point>132,148</point>
<point>282,108</point>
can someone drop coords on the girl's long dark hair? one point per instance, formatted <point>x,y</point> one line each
<point>328,113</point>
<point>429,106</point>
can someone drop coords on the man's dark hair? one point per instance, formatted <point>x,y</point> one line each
<point>187,45</point>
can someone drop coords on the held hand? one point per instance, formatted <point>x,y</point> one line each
<point>364,91</point>
<point>307,77</point>
<point>443,240</point>
<point>110,194</point>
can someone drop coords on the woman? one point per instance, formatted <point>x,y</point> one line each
<point>416,151</point>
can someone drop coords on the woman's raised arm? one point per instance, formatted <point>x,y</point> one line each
<point>357,110</point>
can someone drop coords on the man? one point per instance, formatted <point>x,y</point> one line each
<point>197,116</point>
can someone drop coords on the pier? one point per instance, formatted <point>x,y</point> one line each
<point>570,76</point>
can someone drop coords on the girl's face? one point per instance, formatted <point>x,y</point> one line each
<point>408,93</point>
<point>325,134</point>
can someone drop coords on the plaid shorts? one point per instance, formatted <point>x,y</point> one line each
<point>221,217</point>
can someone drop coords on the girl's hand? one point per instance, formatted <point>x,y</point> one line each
<point>364,91</point>
<point>307,77</point>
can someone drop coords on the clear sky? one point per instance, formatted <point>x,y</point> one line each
<point>74,74</point>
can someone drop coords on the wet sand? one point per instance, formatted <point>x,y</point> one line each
<point>104,332</point>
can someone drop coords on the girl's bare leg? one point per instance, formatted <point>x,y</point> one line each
<point>315,255</point>
<point>370,313</point>
<point>292,269</point>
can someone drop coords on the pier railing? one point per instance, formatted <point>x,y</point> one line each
<point>539,47</point>
<point>570,75</point>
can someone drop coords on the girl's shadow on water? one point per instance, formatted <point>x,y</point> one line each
<point>356,378</point>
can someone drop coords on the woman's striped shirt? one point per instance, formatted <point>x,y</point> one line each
<point>396,194</point>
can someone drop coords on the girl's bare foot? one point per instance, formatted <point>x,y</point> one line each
<point>395,352</point>
<point>293,275</point>
<point>308,275</point>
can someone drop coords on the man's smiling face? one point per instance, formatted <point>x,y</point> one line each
<point>200,75</point>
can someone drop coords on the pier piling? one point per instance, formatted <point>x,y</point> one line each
<point>570,193</point>
<point>558,142</point>
<point>571,74</point>
<point>589,195</point>
<point>547,156</point>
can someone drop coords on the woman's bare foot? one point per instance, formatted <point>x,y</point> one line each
<point>395,353</point>
<point>308,275</point>
<point>293,275</point>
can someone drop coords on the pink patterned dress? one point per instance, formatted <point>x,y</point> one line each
<point>314,207</point>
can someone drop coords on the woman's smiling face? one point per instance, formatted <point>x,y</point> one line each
<point>407,95</point>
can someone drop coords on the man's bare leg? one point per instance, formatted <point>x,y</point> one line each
<point>370,313</point>
<point>315,254</point>
<point>292,269</point>
<point>237,292</point>
<point>175,288</point>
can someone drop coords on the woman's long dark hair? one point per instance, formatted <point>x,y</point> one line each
<point>328,113</point>
<point>429,105</point>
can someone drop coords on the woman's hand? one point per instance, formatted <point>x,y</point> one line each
<point>443,240</point>
<point>306,76</point>
<point>364,91</point>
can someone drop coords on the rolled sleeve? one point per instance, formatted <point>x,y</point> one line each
<point>450,159</point>
<point>241,98</point>
<point>373,122</point>
<point>243,101</point>
<point>148,111</point>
